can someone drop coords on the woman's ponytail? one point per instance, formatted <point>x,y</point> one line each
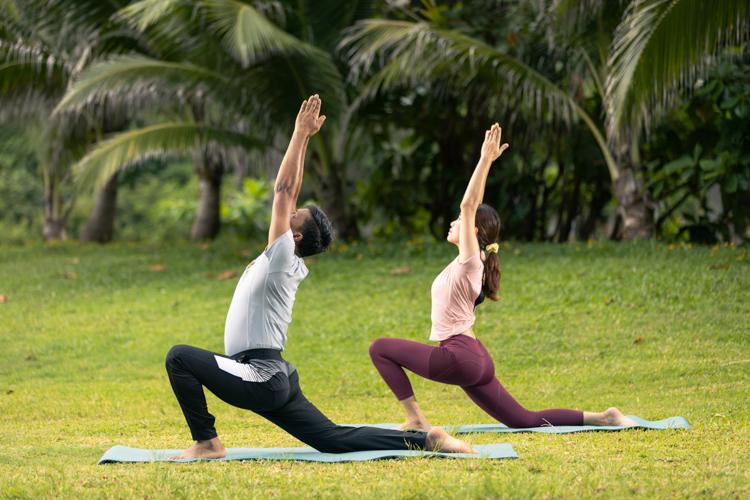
<point>488,233</point>
<point>491,279</point>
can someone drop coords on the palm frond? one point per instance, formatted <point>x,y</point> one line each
<point>161,140</point>
<point>247,34</point>
<point>40,73</point>
<point>569,15</point>
<point>145,13</point>
<point>170,29</point>
<point>131,75</point>
<point>324,21</point>
<point>276,86</point>
<point>418,53</point>
<point>661,47</point>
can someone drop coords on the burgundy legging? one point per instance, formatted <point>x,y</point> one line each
<point>460,360</point>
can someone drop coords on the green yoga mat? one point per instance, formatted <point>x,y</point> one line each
<point>124,454</point>
<point>667,423</point>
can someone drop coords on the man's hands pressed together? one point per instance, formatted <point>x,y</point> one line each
<point>308,122</point>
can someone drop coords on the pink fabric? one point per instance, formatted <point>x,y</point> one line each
<point>464,361</point>
<point>453,294</point>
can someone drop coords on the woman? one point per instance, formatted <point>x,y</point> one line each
<point>461,359</point>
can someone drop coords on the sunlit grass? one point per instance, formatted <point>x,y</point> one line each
<point>657,331</point>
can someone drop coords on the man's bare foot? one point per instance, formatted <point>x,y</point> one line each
<point>210,448</point>
<point>613,416</point>
<point>439,440</point>
<point>415,425</point>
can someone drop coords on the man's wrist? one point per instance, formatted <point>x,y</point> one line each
<point>301,134</point>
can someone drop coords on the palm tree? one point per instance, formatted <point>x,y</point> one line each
<point>223,75</point>
<point>660,47</point>
<point>43,45</point>
<point>423,50</point>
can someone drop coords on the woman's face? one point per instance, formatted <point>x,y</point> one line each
<point>454,231</point>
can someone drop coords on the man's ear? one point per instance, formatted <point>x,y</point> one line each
<point>297,237</point>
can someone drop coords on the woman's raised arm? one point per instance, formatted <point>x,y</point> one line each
<point>491,151</point>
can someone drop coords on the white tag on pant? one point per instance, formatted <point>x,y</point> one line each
<point>244,371</point>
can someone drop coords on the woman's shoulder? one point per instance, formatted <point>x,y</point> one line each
<point>470,263</point>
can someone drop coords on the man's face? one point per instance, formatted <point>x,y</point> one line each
<point>298,219</point>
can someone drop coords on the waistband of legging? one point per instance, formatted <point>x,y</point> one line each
<point>459,338</point>
<point>259,354</point>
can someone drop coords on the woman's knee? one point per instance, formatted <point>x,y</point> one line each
<point>379,347</point>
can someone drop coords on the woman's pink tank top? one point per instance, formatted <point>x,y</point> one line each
<point>453,294</point>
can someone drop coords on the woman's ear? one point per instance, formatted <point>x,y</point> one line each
<point>297,237</point>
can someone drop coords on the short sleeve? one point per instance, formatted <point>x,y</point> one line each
<point>280,253</point>
<point>471,265</point>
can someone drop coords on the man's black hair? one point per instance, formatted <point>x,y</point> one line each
<point>317,233</point>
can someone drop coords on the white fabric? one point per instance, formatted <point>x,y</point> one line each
<point>261,307</point>
<point>246,371</point>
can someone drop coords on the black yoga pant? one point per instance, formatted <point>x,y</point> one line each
<point>278,399</point>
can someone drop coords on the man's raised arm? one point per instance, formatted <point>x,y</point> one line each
<point>289,179</point>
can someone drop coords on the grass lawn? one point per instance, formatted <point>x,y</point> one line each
<point>653,330</point>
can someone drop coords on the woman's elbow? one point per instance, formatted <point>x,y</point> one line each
<point>468,206</point>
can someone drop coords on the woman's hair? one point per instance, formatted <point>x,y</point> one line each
<point>487,222</point>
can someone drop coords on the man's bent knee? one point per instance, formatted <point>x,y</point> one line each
<point>174,354</point>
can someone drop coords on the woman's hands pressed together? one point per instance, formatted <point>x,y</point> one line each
<point>491,148</point>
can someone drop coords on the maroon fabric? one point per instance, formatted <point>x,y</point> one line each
<point>460,360</point>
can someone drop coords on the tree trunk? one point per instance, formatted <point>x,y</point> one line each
<point>54,229</point>
<point>207,221</point>
<point>336,207</point>
<point>634,207</point>
<point>571,204</point>
<point>210,169</point>
<point>101,224</point>
<point>209,165</point>
<point>598,201</point>
<point>54,221</point>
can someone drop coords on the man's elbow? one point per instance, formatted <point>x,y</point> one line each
<point>284,187</point>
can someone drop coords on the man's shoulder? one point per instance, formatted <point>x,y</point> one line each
<point>284,243</point>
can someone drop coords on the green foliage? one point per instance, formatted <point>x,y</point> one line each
<point>705,195</point>
<point>660,46</point>
<point>247,210</point>
<point>156,202</point>
<point>160,140</point>
<point>655,330</point>
<point>20,189</point>
<point>408,89</point>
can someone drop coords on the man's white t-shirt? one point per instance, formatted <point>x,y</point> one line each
<point>261,307</point>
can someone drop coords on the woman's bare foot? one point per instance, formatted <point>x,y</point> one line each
<point>612,416</point>
<point>439,440</point>
<point>415,425</point>
<point>210,448</point>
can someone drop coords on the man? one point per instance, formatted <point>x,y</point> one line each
<point>253,375</point>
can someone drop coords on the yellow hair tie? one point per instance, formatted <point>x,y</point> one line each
<point>493,248</point>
